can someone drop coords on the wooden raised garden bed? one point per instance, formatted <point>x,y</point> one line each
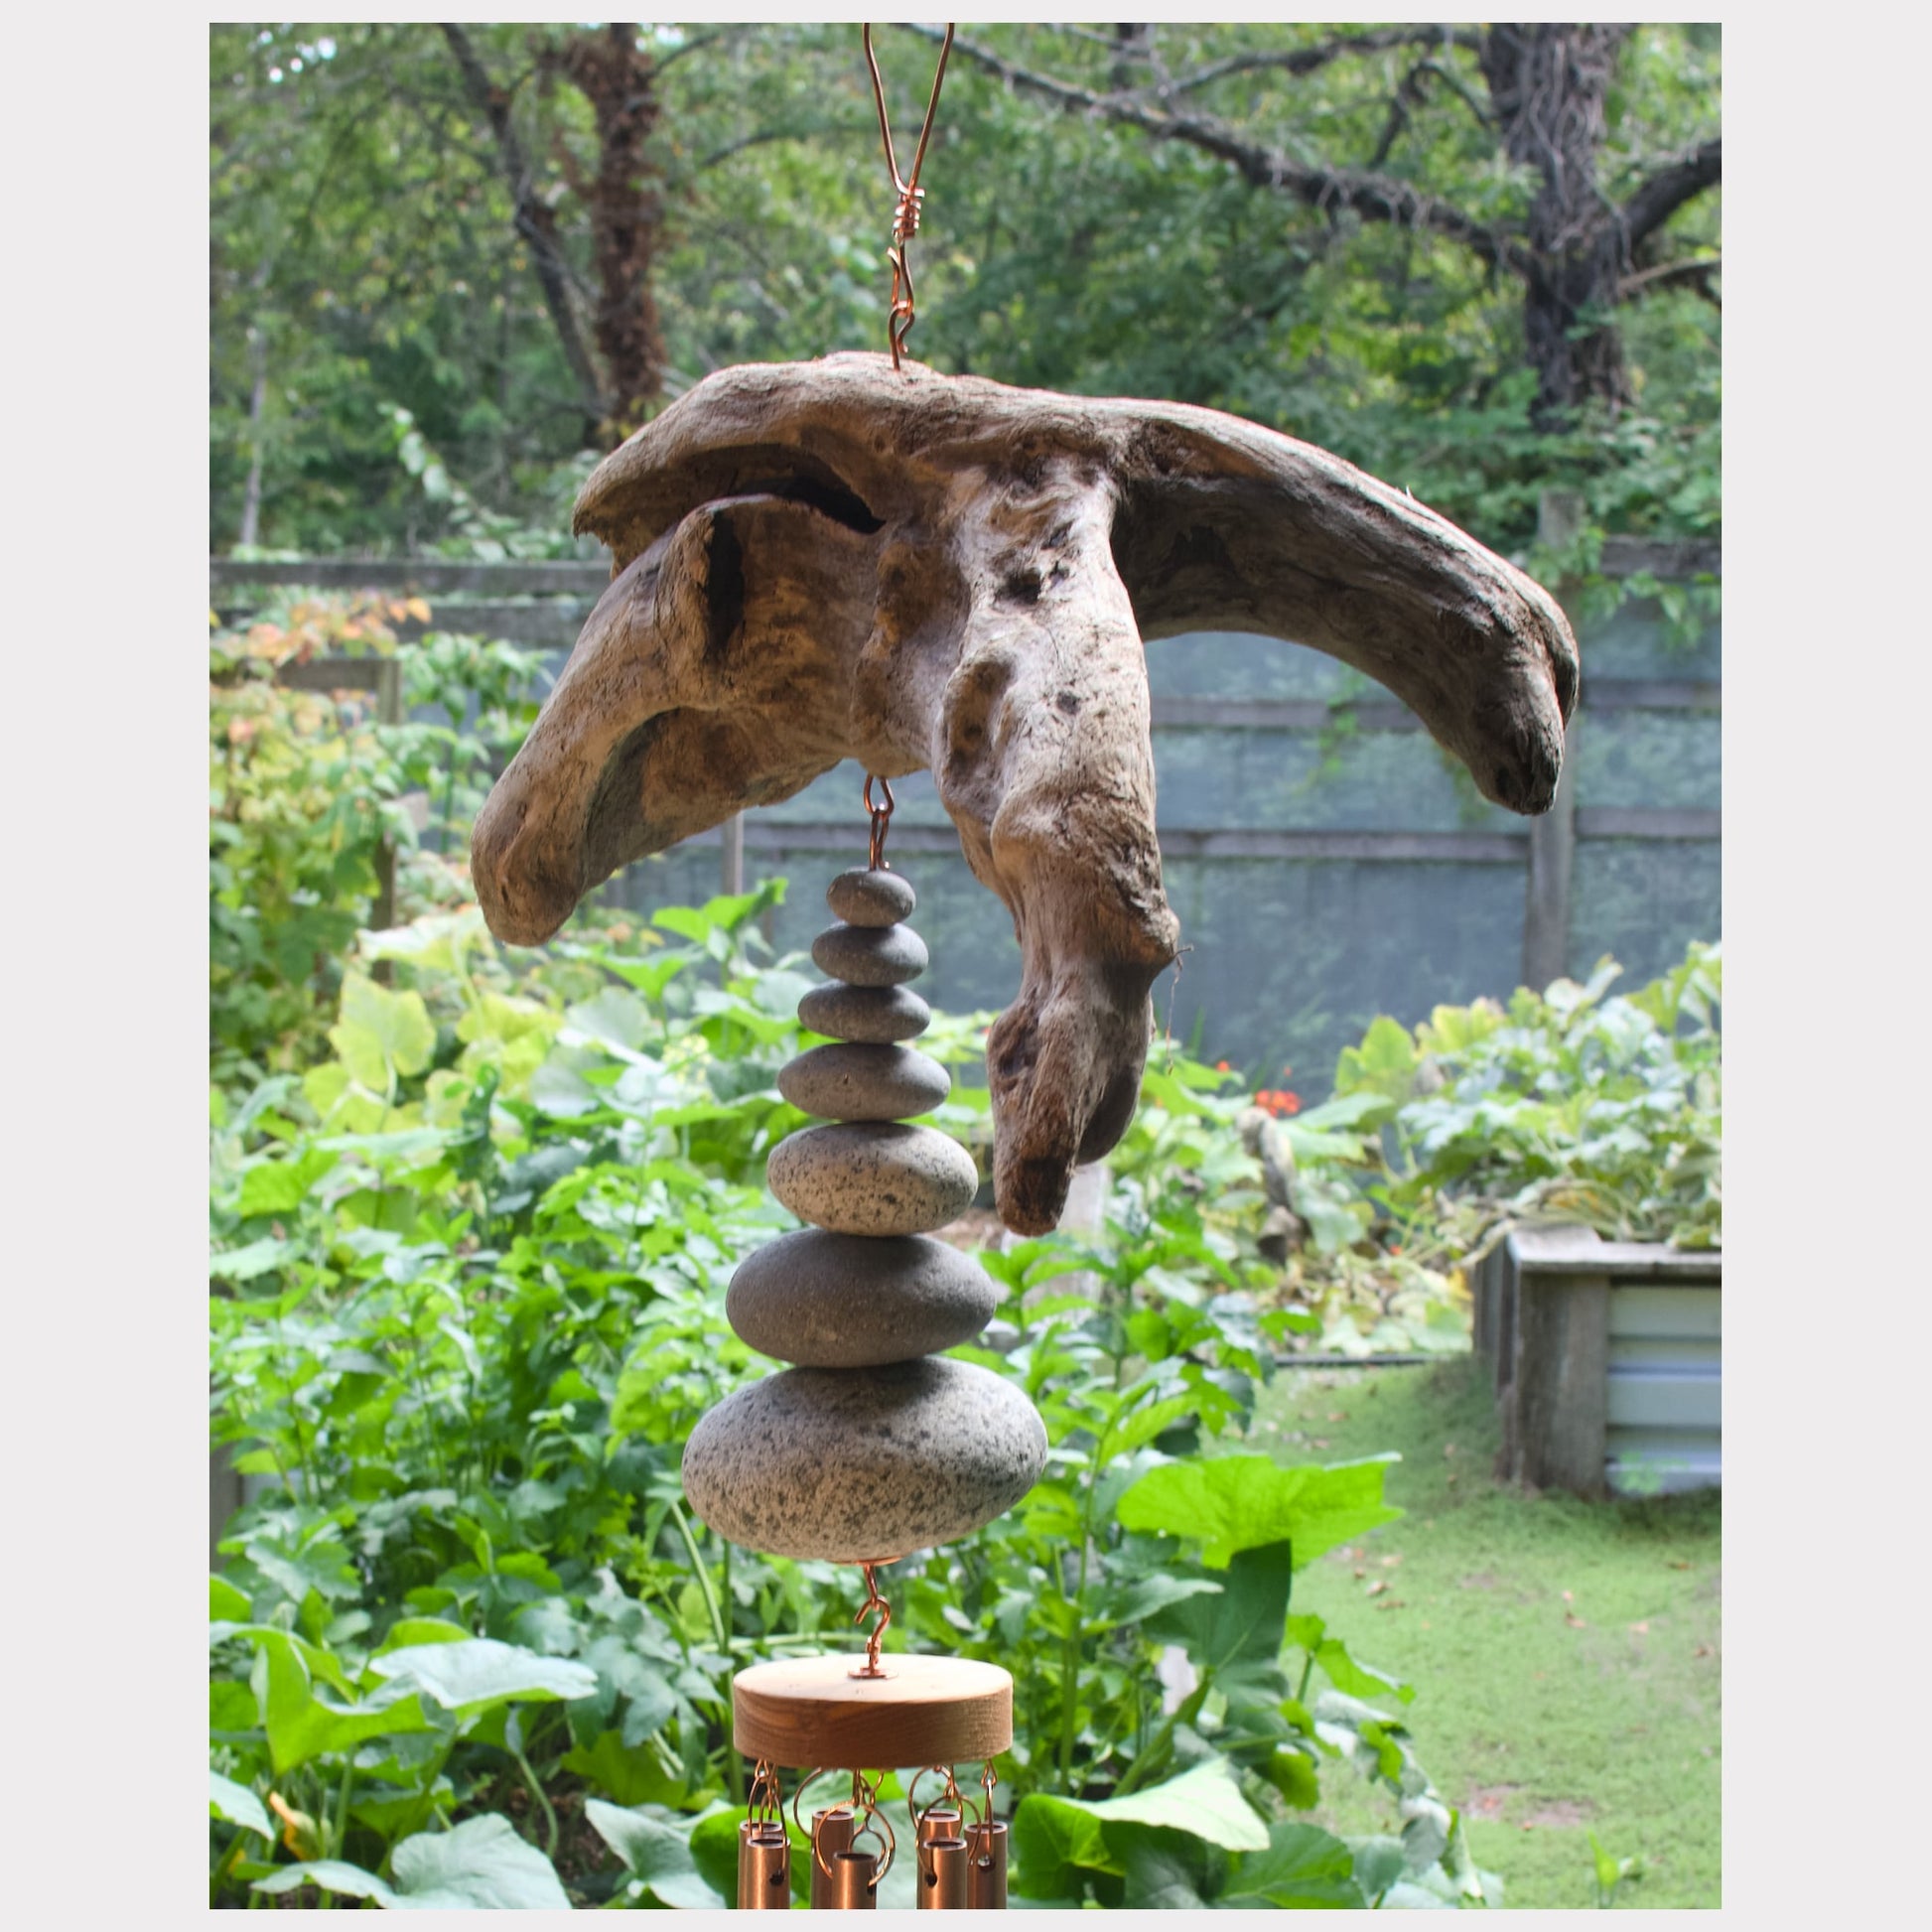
<point>1607,1361</point>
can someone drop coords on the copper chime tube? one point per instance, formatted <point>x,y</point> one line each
<point>939,1820</point>
<point>943,1874</point>
<point>851,1886</point>
<point>764,1867</point>
<point>831,1834</point>
<point>986,1868</point>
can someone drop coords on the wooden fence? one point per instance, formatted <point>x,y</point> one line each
<point>1279,774</point>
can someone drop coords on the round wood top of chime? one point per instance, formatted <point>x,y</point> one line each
<point>809,1712</point>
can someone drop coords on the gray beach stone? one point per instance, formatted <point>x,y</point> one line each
<point>860,1082</point>
<point>874,1014</point>
<point>861,1464</point>
<point>872,1178</point>
<point>863,898</point>
<point>846,1301</point>
<point>870,955</point>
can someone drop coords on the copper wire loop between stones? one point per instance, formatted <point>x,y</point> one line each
<point>881,817</point>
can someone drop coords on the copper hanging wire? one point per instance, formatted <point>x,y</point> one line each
<point>881,817</point>
<point>979,1829</point>
<point>874,1637</point>
<point>949,1797</point>
<point>905,218</point>
<point>868,1819</point>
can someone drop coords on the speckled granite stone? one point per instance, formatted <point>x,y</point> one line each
<point>858,1464</point>
<point>871,1177</point>
<point>861,1082</point>
<point>870,955</point>
<point>843,1301</point>
<point>874,1013</point>
<point>862,897</point>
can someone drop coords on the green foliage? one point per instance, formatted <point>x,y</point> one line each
<point>1566,1106</point>
<point>1569,1654</point>
<point>469,1303</point>
<point>1610,1873</point>
<point>381,348</point>
<point>305,791</point>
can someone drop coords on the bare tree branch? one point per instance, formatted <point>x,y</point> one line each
<point>765,136</point>
<point>1375,197</point>
<point>1695,271</point>
<point>1307,59</point>
<point>1656,199</point>
<point>535,221</point>
<point>697,43</point>
<point>1407,94</point>
<point>1453,83</point>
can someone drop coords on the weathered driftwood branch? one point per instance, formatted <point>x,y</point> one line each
<point>827,559</point>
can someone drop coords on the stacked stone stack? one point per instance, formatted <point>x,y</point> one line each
<point>871,1444</point>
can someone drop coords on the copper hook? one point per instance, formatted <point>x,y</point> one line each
<point>874,1601</point>
<point>906,217</point>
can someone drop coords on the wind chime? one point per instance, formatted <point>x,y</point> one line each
<point>861,559</point>
<point>872,1444</point>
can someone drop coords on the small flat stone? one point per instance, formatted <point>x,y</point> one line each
<point>862,1464</point>
<point>874,1014</point>
<point>862,897</point>
<point>870,955</point>
<point>861,1082</point>
<point>844,1301</point>
<point>870,1178</point>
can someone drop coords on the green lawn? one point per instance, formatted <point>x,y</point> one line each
<point>1566,1656</point>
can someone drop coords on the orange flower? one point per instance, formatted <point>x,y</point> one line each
<point>1222,1067</point>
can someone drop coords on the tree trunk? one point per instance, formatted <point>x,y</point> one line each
<point>535,222</point>
<point>615,76</point>
<point>251,494</point>
<point>1546,86</point>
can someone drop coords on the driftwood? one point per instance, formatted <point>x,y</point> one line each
<point>830,560</point>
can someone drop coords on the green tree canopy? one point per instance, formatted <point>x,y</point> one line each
<point>450,265</point>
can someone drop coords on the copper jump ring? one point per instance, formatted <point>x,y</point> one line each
<point>981,1835</point>
<point>797,1799</point>
<point>766,1804</point>
<point>864,1803</point>
<point>951,1794</point>
<point>866,1800</point>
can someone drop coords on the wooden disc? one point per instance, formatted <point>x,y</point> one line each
<point>804,1713</point>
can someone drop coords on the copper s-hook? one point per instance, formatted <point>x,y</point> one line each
<point>905,218</point>
<point>874,1601</point>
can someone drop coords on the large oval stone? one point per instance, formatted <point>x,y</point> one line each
<point>870,955</point>
<point>879,1014</point>
<point>863,1464</point>
<point>854,1082</point>
<point>871,1177</point>
<point>863,898</point>
<point>846,1301</point>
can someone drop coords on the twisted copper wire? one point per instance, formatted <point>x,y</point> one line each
<point>766,1802</point>
<point>906,217</point>
<point>874,1601</point>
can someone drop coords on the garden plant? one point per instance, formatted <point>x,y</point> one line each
<point>472,1219</point>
